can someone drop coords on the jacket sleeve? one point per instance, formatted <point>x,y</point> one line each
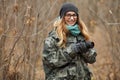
<point>55,56</point>
<point>90,56</point>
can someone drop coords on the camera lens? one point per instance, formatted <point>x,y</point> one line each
<point>89,44</point>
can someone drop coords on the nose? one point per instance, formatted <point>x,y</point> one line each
<point>71,17</point>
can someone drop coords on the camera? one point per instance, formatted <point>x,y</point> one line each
<point>89,44</point>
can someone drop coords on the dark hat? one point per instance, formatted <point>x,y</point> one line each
<point>67,7</point>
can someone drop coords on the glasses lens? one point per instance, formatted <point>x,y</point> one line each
<point>71,15</point>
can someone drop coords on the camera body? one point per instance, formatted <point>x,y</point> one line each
<point>88,44</point>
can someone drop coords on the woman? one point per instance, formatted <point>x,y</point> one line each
<point>68,49</point>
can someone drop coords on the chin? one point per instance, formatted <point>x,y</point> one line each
<point>71,24</point>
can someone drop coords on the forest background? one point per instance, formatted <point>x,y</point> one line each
<point>24,24</point>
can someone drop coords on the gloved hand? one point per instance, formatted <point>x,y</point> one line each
<point>82,46</point>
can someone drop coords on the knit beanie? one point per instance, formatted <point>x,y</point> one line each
<point>67,7</point>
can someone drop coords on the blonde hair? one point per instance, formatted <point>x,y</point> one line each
<point>62,32</point>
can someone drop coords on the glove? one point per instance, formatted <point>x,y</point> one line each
<point>82,46</point>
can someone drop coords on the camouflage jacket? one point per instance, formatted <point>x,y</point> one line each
<point>63,63</point>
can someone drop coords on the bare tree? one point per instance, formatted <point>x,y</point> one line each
<point>24,24</point>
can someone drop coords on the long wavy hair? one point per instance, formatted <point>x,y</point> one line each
<point>62,32</point>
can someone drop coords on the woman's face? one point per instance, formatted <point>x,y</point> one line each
<point>70,18</point>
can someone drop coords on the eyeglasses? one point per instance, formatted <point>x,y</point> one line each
<point>71,15</point>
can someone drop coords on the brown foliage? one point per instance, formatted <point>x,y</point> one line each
<point>24,24</point>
